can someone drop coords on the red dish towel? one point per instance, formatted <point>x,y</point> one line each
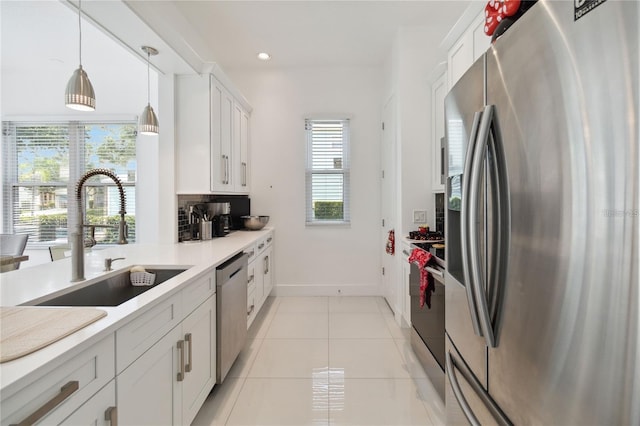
<point>421,258</point>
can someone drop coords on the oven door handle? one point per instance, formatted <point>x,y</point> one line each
<point>434,271</point>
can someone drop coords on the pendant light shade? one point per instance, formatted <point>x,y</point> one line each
<point>79,94</point>
<point>148,124</point>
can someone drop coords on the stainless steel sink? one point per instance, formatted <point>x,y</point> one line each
<point>111,291</point>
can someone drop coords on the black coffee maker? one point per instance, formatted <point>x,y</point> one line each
<point>221,218</point>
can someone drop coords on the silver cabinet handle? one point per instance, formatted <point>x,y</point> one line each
<point>260,246</point>
<point>266,265</point>
<point>251,310</point>
<point>251,278</point>
<point>112,415</point>
<point>189,339</point>
<point>181,350</point>
<point>251,253</point>
<point>65,392</point>
<point>464,224</point>
<point>228,171</point>
<point>406,253</point>
<point>269,240</point>
<point>223,169</point>
<point>244,174</point>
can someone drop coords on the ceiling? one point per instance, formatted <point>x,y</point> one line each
<point>301,33</point>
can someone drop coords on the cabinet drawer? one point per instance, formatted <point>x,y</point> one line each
<point>265,242</point>
<point>197,292</point>
<point>252,252</point>
<point>133,339</point>
<point>96,411</point>
<point>77,379</point>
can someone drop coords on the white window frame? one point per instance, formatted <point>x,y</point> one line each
<point>76,156</point>
<point>343,169</point>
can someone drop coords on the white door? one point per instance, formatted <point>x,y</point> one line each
<point>388,201</point>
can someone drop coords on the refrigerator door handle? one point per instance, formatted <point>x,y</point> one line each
<point>464,223</point>
<point>501,221</point>
<point>477,276</point>
<point>489,130</point>
<point>451,365</point>
<point>466,409</point>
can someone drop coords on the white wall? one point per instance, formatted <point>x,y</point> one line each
<point>316,260</point>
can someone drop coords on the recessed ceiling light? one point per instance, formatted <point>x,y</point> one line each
<point>263,56</point>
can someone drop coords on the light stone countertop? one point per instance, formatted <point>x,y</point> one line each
<point>28,286</point>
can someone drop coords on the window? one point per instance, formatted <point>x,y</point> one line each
<point>42,163</point>
<point>327,171</point>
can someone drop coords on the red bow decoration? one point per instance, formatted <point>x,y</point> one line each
<point>496,10</point>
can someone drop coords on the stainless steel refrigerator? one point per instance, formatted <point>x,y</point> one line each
<point>543,221</point>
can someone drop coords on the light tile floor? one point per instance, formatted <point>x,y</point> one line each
<point>325,361</point>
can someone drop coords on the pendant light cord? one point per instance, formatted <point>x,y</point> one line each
<point>148,77</point>
<point>80,31</point>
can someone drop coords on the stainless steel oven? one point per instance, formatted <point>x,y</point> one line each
<point>427,335</point>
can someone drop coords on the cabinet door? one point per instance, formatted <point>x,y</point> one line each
<point>100,410</point>
<point>471,45</point>
<point>241,148</point>
<point>481,41</point>
<point>221,138</point>
<point>199,334</point>
<point>259,281</point>
<point>149,392</point>
<point>267,263</point>
<point>459,59</point>
<point>406,271</point>
<point>438,93</point>
<point>193,139</point>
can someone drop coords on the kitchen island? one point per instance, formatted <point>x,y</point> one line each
<point>183,292</point>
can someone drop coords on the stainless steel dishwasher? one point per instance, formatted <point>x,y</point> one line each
<point>231,305</point>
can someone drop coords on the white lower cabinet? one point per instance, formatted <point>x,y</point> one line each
<point>406,272</point>
<point>266,262</point>
<point>171,380</point>
<point>100,410</point>
<point>148,390</point>
<point>63,389</point>
<point>259,280</point>
<point>199,335</point>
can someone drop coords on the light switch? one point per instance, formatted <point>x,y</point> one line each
<point>419,216</point>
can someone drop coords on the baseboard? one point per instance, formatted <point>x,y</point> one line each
<point>326,290</point>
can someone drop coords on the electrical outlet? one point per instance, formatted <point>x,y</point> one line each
<point>419,216</point>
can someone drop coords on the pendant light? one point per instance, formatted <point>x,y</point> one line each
<point>148,124</point>
<point>79,94</point>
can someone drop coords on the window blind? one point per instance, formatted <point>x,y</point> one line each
<point>42,161</point>
<point>327,171</point>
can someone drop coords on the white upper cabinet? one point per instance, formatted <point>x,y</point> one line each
<point>241,148</point>
<point>470,46</point>
<point>212,138</point>
<point>438,93</point>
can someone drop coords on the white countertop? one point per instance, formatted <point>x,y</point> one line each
<point>27,286</point>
